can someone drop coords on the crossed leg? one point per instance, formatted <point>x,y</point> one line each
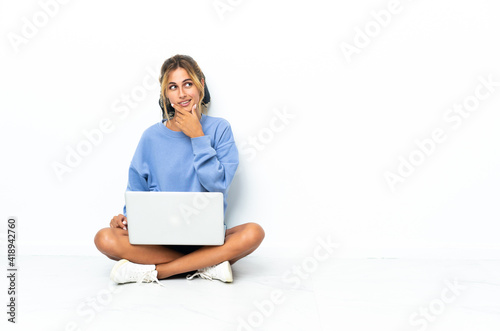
<point>240,241</point>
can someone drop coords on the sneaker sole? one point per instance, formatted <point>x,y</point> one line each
<point>115,268</point>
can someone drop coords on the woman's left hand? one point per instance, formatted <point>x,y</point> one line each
<point>188,122</point>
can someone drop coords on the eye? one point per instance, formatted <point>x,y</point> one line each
<point>172,87</point>
<point>188,84</point>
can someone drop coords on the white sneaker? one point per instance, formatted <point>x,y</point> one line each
<point>221,271</point>
<point>125,271</point>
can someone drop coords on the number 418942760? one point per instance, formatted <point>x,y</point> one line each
<point>11,239</point>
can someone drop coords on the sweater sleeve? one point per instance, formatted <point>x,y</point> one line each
<point>137,175</point>
<point>136,182</point>
<point>215,165</point>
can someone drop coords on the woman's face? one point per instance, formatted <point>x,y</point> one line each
<point>181,90</point>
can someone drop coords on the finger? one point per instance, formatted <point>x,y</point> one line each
<point>175,107</point>
<point>119,221</point>
<point>122,224</point>
<point>176,110</point>
<point>178,121</point>
<point>193,110</point>
<point>180,111</point>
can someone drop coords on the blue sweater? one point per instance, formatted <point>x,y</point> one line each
<point>167,160</point>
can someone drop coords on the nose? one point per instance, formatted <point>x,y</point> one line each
<point>182,94</point>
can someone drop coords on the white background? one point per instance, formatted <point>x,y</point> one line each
<point>352,118</point>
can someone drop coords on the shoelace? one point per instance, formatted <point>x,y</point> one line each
<point>148,276</point>
<point>201,273</point>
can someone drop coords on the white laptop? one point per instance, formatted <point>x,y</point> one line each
<point>175,218</point>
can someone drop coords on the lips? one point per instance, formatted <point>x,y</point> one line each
<point>184,103</point>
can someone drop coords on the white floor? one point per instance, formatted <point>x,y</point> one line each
<point>74,293</point>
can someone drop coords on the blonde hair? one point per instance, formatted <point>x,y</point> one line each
<point>193,70</point>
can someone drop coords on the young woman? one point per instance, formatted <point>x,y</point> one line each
<point>187,151</point>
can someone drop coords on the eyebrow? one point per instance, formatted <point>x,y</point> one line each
<point>185,80</point>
